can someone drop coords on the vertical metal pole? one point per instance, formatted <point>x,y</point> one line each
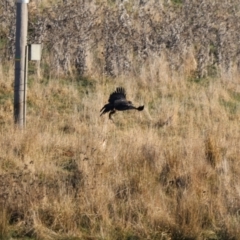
<point>25,87</point>
<point>20,61</point>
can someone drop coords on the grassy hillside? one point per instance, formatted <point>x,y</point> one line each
<point>169,172</point>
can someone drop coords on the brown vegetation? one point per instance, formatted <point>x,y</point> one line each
<point>168,172</point>
<point>118,37</point>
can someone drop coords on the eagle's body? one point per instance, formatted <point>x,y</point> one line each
<point>117,101</point>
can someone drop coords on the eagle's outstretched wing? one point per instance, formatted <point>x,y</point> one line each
<point>119,94</point>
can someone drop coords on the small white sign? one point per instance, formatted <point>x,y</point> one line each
<point>34,53</point>
<point>22,1</point>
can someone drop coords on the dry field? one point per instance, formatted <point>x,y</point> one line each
<point>169,172</point>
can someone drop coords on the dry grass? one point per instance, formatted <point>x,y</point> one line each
<point>169,172</point>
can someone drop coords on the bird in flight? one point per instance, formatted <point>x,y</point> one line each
<point>118,102</point>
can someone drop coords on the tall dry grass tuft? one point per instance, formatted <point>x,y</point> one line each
<point>211,151</point>
<point>4,231</point>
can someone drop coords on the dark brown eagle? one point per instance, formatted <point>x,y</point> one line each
<point>117,101</point>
